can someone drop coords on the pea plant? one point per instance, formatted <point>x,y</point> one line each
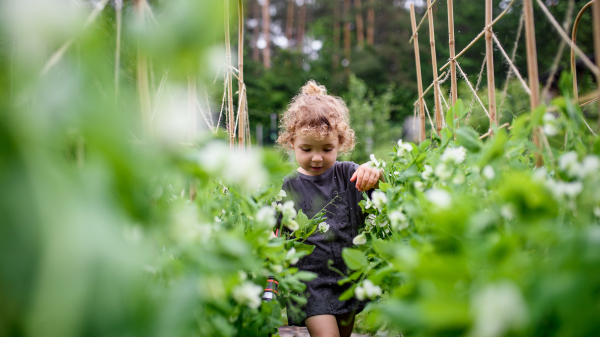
<point>471,238</point>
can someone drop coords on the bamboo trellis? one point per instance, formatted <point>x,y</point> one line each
<point>532,89</point>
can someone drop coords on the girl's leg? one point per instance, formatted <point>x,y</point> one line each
<point>345,324</point>
<point>323,326</point>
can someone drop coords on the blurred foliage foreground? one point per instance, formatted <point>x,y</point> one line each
<point>106,233</point>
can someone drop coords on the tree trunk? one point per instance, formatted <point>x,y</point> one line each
<point>255,31</point>
<point>301,26</point>
<point>360,39</point>
<point>370,22</point>
<point>289,23</point>
<point>336,34</point>
<point>347,24</point>
<point>266,24</point>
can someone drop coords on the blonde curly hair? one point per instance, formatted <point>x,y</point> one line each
<point>313,110</point>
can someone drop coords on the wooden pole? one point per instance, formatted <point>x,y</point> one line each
<point>336,34</point>
<point>301,26</point>
<point>413,22</point>
<point>436,89</point>
<point>241,92</point>
<point>596,18</point>
<point>370,22</point>
<point>532,72</point>
<point>230,116</point>
<point>266,25</point>
<point>489,44</point>
<point>289,22</point>
<point>451,44</point>
<point>347,23</point>
<point>360,37</point>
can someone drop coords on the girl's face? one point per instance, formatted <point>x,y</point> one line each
<point>315,155</point>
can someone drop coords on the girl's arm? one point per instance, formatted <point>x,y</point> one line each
<point>367,177</point>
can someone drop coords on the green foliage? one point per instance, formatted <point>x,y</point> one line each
<point>475,240</point>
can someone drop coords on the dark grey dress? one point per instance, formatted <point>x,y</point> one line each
<point>311,194</point>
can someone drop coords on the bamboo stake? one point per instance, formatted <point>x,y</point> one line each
<point>596,17</point>
<point>423,18</point>
<point>230,117</point>
<point>301,26</point>
<point>532,72</point>
<point>241,86</point>
<point>413,22</point>
<point>480,34</point>
<point>360,38</point>
<point>489,45</point>
<point>370,22</point>
<point>191,107</point>
<point>119,12</point>
<point>436,89</point>
<point>574,39</point>
<point>266,32</point>
<point>142,78</point>
<point>451,44</point>
<point>289,22</point>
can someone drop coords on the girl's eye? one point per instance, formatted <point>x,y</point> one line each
<point>306,150</point>
<point>327,150</point>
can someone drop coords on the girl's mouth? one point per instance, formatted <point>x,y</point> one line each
<point>316,168</point>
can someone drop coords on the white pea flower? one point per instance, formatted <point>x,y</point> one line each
<point>360,293</point>
<point>499,308</point>
<point>589,166</point>
<point>276,206</point>
<point>382,224</point>
<point>550,127</point>
<point>292,225</point>
<point>403,148</point>
<point>276,268</point>
<point>323,227</point>
<point>280,195</point>
<point>370,221</point>
<point>360,239</point>
<point>266,215</point>
<point>290,256</point>
<point>454,155</point>
<point>398,218</point>
<point>560,188</point>
<point>418,185</point>
<point>248,294</point>
<point>568,163</point>
<point>439,197</point>
<point>488,172</point>
<point>442,171</point>
<point>369,204</point>
<point>458,179</point>
<point>597,211</point>
<point>371,290</point>
<point>376,163</point>
<point>379,199</point>
<point>288,209</point>
<point>540,174</point>
<point>427,172</point>
<point>396,173</point>
<point>508,211</point>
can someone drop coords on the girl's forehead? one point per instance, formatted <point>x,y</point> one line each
<point>315,139</point>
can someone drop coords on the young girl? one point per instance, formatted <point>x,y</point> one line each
<point>316,127</point>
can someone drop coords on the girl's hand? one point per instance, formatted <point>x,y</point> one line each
<point>366,177</point>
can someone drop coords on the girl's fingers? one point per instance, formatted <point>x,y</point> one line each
<point>373,180</point>
<point>359,178</point>
<point>353,176</point>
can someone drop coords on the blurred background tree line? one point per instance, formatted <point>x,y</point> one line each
<point>291,41</point>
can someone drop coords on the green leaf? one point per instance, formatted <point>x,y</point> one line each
<point>384,186</point>
<point>459,108</point>
<point>424,145</point>
<point>348,294</point>
<point>301,247</point>
<point>450,118</point>
<point>467,137</point>
<point>354,258</point>
<point>306,276</point>
<point>301,219</point>
<point>408,173</point>
<point>447,135</point>
<point>495,148</point>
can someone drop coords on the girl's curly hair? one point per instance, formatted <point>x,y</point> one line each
<point>313,110</point>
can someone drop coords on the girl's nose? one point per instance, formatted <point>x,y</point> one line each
<point>317,158</point>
